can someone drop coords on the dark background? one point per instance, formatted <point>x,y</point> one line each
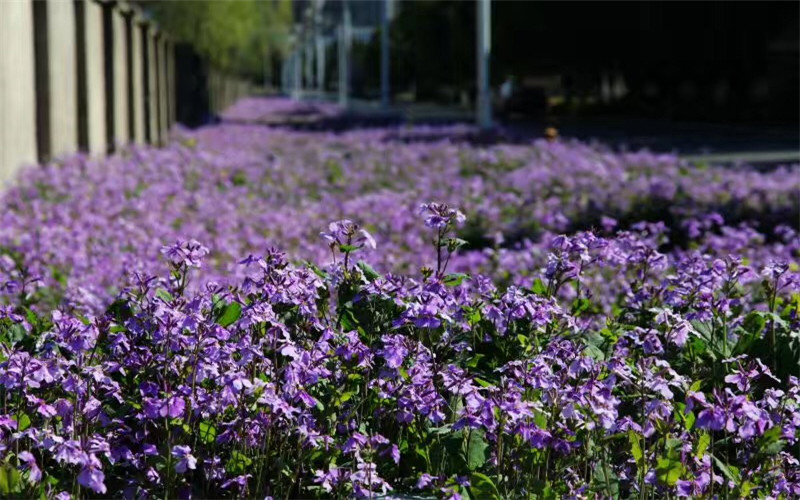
<point>712,61</point>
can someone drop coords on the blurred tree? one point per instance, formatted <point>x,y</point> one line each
<point>241,36</point>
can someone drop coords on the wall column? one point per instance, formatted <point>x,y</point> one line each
<point>57,78</point>
<point>122,134</point>
<point>92,136</point>
<point>17,89</point>
<point>137,68</point>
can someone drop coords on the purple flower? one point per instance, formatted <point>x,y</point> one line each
<point>394,352</point>
<point>173,407</point>
<point>685,489</point>
<point>425,480</point>
<point>187,253</point>
<point>711,418</point>
<point>440,216</point>
<point>92,476</point>
<point>346,232</point>
<point>185,458</point>
<point>240,482</point>
<point>35,474</point>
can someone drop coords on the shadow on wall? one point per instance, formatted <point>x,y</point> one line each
<point>191,88</point>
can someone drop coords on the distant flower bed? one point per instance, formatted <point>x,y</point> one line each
<point>563,321</point>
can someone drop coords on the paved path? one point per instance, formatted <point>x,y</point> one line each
<point>748,157</point>
<point>696,142</point>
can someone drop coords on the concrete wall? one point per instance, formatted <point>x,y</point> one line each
<point>90,75</point>
<point>62,86</point>
<point>93,78</point>
<point>152,86</point>
<point>17,88</point>
<point>122,134</point>
<point>137,67</point>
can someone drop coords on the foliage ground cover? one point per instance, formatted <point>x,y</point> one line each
<point>256,311</point>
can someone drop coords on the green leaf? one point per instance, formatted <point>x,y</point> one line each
<point>672,447</point>
<point>732,473</point>
<point>636,448</point>
<point>580,306</point>
<point>454,244</point>
<point>482,486</point>
<point>475,317</point>
<point>483,383</point>
<point>754,322</point>
<point>669,471</point>
<point>594,352</point>
<point>539,287</point>
<point>347,248</point>
<point>238,462</point>
<point>702,445</point>
<point>475,360</point>
<point>607,485</point>
<point>770,443</point>
<point>230,314</point>
<point>319,272</point>
<point>369,272</point>
<point>745,489</point>
<point>10,480</point>
<point>207,432</point>
<point>689,420</point>
<point>477,450</point>
<point>348,321</point>
<point>454,279</point>
<point>164,295</point>
<point>24,422</point>
<point>704,329</point>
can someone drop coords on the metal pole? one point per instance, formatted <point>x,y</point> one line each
<point>484,47</point>
<point>344,55</point>
<point>319,42</point>
<point>385,18</point>
<point>321,64</point>
<point>297,67</point>
<point>309,53</point>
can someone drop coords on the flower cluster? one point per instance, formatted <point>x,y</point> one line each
<point>592,327</point>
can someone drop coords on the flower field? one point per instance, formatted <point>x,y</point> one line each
<point>287,312</point>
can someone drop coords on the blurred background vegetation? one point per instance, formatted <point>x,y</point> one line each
<point>244,37</point>
<point>725,61</point>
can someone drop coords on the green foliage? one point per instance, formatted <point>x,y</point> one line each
<point>233,35</point>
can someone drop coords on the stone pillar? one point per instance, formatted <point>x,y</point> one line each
<point>152,86</point>
<point>122,134</point>
<point>92,135</point>
<point>17,89</point>
<point>137,68</point>
<point>61,79</point>
<point>163,94</point>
